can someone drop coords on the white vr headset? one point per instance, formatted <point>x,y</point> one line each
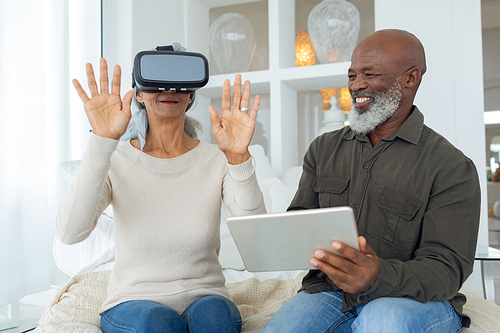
<point>166,69</point>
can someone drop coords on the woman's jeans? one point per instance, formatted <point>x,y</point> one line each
<point>208,314</point>
<point>320,313</point>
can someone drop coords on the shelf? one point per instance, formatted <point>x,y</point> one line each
<point>316,77</point>
<point>298,78</point>
<point>260,83</point>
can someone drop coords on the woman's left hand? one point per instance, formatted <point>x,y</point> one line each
<point>233,130</point>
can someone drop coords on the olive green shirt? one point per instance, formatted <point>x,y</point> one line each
<point>416,199</point>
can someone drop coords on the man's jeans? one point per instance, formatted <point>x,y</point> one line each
<point>320,313</point>
<point>215,314</point>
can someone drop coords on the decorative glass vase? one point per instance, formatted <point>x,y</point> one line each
<point>333,27</point>
<point>232,42</point>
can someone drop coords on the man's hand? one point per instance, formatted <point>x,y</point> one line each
<point>355,273</point>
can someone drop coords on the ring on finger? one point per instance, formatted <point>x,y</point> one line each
<point>243,109</point>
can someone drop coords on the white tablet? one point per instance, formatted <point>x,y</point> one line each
<point>287,241</point>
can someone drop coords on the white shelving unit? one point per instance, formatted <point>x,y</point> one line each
<point>275,78</point>
<point>282,80</point>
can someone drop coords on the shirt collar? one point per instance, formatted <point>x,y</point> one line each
<point>410,130</point>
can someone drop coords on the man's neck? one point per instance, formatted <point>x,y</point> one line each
<point>389,126</point>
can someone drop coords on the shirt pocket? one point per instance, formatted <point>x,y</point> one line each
<point>395,219</point>
<point>331,191</point>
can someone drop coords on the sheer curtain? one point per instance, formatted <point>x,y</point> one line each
<point>34,123</point>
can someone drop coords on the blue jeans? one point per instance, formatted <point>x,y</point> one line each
<point>208,314</point>
<point>320,313</point>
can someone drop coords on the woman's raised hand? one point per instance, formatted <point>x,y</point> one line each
<point>107,114</point>
<point>233,130</point>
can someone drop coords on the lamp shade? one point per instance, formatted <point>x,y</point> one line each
<point>304,51</point>
<point>344,97</point>
<point>326,96</point>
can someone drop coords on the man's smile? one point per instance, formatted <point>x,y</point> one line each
<point>362,101</point>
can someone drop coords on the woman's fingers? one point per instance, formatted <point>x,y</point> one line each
<point>115,83</point>
<point>103,81</point>
<point>237,91</point>
<point>103,68</point>
<point>91,80</point>
<point>80,91</point>
<point>226,95</point>
<point>245,99</point>
<point>127,101</point>
<point>214,118</point>
<point>255,107</point>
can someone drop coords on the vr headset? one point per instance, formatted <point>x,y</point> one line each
<point>166,69</point>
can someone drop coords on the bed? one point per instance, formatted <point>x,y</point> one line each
<point>75,305</point>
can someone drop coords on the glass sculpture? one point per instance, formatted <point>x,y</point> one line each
<point>232,42</point>
<point>333,27</point>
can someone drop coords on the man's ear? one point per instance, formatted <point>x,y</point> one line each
<point>412,77</point>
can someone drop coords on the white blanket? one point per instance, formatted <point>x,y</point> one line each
<point>75,306</point>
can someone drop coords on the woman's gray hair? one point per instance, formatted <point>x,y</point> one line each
<point>192,126</point>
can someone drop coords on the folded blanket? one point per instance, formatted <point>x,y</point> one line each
<point>75,306</point>
<point>259,300</point>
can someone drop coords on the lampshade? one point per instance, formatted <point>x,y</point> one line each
<point>344,98</point>
<point>304,51</point>
<point>326,96</point>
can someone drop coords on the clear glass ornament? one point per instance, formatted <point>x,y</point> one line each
<point>333,27</point>
<point>232,42</point>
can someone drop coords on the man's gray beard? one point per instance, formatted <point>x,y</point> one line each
<point>381,108</point>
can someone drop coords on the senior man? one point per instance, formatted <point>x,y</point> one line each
<point>416,199</point>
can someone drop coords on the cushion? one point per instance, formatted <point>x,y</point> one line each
<point>291,176</point>
<point>281,197</point>
<point>263,168</point>
<point>97,250</point>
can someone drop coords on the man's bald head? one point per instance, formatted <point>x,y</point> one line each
<point>403,48</point>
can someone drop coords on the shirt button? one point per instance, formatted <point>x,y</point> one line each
<point>365,165</point>
<point>364,298</point>
<point>356,205</point>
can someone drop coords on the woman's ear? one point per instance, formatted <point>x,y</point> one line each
<point>139,97</point>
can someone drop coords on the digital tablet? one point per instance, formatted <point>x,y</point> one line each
<point>287,241</point>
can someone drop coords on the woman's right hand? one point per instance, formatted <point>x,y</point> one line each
<point>107,114</point>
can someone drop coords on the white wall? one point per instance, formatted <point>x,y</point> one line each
<point>451,94</point>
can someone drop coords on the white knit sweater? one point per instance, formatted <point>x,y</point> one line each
<point>167,217</point>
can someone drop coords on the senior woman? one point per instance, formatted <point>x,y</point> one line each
<point>166,195</point>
